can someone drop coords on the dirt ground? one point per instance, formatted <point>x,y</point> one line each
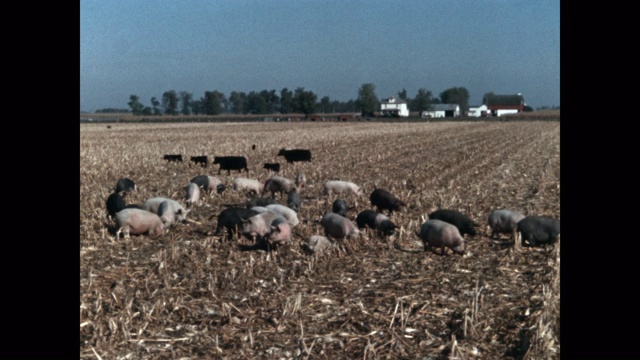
<point>192,295</point>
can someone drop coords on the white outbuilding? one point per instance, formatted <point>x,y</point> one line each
<point>442,110</point>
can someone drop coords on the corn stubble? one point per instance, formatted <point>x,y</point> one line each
<point>190,294</point>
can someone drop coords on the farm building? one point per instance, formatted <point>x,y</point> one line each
<point>505,104</point>
<point>394,107</point>
<point>478,111</point>
<point>442,110</point>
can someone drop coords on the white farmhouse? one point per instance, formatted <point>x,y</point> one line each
<point>442,110</point>
<point>394,107</point>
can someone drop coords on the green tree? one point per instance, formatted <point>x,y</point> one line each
<point>456,95</point>
<point>423,100</point>
<point>212,102</point>
<point>135,105</point>
<point>304,101</point>
<point>286,101</point>
<point>156,106</point>
<point>238,102</point>
<point>367,101</point>
<point>325,104</point>
<point>170,102</point>
<point>256,104</point>
<point>272,101</point>
<point>403,95</point>
<point>487,96</point>
<point>186,99</point>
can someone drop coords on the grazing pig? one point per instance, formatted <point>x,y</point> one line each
<point>250,186</point>
<point>275,167</point>
<point>301,181</point>
<point>138,221</point>
<point>279,184</point>
<point>115,203</point>
<point>293,200</point>
<point>170,211</point>
<point>231,163</point>
<point>337,226</point>
<point>280,233</point>
<point>192,195</point>
<point>464,223</point>
<point>384,200</point>
<point>260,201</point>
<point>316,244</point>
<point>537,230</point>
<point>295,155</point>
<point>286,212</point>
<point>339,187</point>
<point>375,221</point>
<point>207,183</point>
<point>439,234</point>
<point>125,184</point>
<point>339,207</point>
<point>258,226</point>
<point>232,220</point>
<point>504,222</point>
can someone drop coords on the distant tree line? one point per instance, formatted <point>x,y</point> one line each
<point>287,101</point>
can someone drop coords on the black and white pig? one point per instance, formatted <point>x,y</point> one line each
<point>339,207</point>
<point>138,221</point>
<point>538,230</point>
<point>293,200</point>
<point>504,221</point>
<point>232,220</point>
<point>338,227</point>
<point>439,234</point>
<point>384,200</point>
<point>375,221</point>
<point>464,223</point>
<point>279,184</point>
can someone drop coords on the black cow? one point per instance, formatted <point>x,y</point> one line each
<point>173,158</point>
<point>202,160</point>
<point>125,184</point>
<point>272,166</point>
<point>295,155</point>
<point>231,163</point>
<point>464,223</point>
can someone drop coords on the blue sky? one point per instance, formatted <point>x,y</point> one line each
<point>330,47</point>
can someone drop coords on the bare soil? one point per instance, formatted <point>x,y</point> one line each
<point>192,295</point>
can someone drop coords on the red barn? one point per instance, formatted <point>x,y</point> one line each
<point>500,105</point>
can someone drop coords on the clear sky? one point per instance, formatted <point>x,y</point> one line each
<point>330,47</point>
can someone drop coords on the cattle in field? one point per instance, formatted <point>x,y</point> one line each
<point>200,160</point>
<point>295,155</point>
<point>272,167</point>
<point>231,163</point>
<point>173,157</point>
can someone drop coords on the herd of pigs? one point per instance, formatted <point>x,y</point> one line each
<point>270,223</point>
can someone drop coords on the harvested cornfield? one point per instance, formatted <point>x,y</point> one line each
<point>191,294</point>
